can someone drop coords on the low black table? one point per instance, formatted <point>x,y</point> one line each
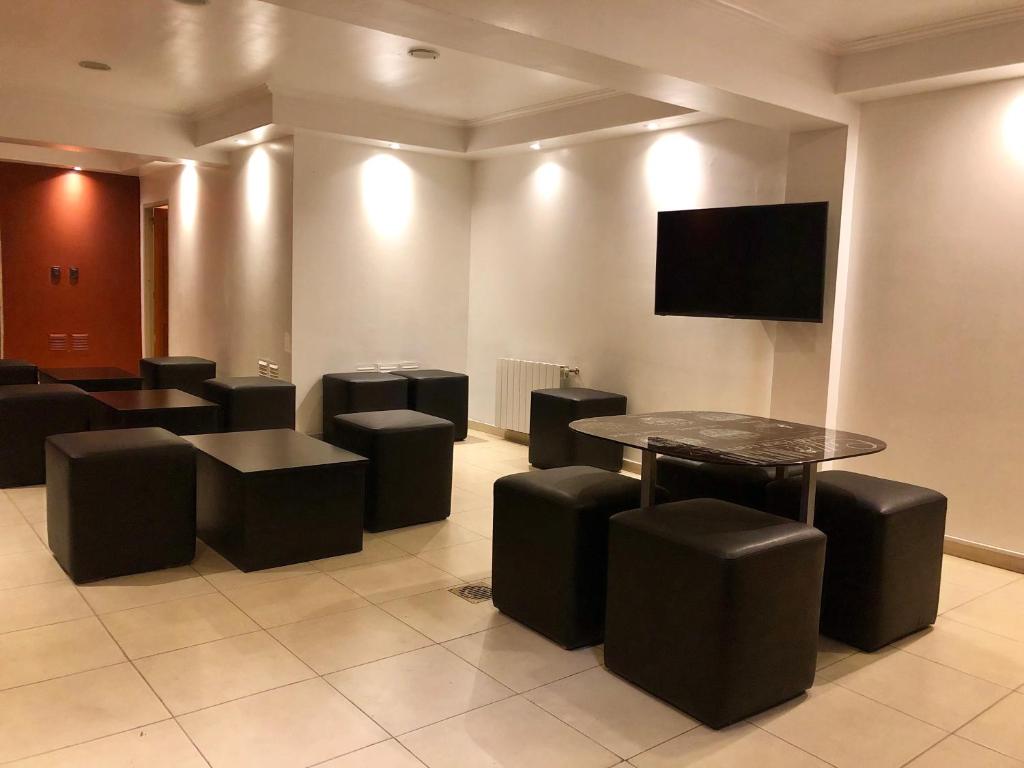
<point>92,379</point>
<point>729,438</point>
<point>172,409</point>
<point>272,497</point>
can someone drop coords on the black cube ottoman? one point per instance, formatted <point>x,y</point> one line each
<point>120,501</point>
<point>29,413</point>
<point>684,479</point>
<point>359,392</point>
<point>410,476</point>
<point>252,402</point>
<point>553,444</point>
<point>713,607</point>
<point>184,373</point>
<point>17,372</point>
<point>440,393</point>
<point>550,548</point>
<point>267,498</point>
<point>884,559</point>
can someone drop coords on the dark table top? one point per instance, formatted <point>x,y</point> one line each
<point>269,450</point>
<point>729,438</point>
<point>72,375</point>
<point>150,400</point>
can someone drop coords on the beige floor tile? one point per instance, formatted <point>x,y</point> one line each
<point>830,651</point>
<point>978,575</point>
<point>28,568</point>
<point>176,624</point>
<point>954,752</point>
<point>953,595</point>
<point>468,562</point>
<point>849,730</point>
<point>419,538</point>
<point>1001,728</point>
<point>387,754</point>
<point>739,745</point>
<point>615,714</point>
<point>297,599</point>
<point>991,657</point>
<point>347,639</point>
<point>58,713</point>
<point>475,479</point>
<point>512,734</point>
<point>24,607</point>
<point>375,550</point>
<point>9,514</point>
<point>921,688</point>
<point>212,673</point>
<point>520,658</point>
<point>30,501</point>
<point>140,589</point>
<point>18,538</point>
<point>999,611</point>
<point>480,521</point>
<point>161,745</point>
<point>42,653</point>
<point>393,579</point>
<point>442,616</point>
<point>406,692</point>
<point>298,725</point>
<point>223,575</point>
<point>41,534</point>
<point>466,500</point>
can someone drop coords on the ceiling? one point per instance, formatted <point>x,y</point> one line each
<point>173,57</point>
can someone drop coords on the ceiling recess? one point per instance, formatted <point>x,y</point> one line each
<point>99,66</point>
<point>424,53</point>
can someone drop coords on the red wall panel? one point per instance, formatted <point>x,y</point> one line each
<point>56,217</point>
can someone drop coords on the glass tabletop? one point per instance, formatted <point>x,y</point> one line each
<point>728,438</point>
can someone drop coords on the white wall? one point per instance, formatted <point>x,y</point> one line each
<point>932,359</point>
<point>563,252</point>
<point>381,261</point>
<point>230,257</point>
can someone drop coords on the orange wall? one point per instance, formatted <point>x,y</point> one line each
<point>56,217</point>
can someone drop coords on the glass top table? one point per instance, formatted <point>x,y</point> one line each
<point>729,438</point>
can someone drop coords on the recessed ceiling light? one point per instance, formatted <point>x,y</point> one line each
<point>77,168</point>
<point>652,126</point>
<point>193,2</point>
<point>241,142</point>
<point>395,145</point>
<point>424,53</point>
<point>99,66</point>
<point>535,145</point>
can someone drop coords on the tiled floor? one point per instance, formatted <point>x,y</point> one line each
<point>368,661</point>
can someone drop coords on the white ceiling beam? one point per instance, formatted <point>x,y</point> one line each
<point>248,112</point>
<point>103,162</point>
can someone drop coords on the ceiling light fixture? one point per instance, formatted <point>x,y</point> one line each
<point>99,66</point>
<point>193,2</point>
<point>535,145</point>
<point>424,53</point>
<point>241,142</point>
<point>652,126</point>
<point>395,145</point>
<point>77,168</point>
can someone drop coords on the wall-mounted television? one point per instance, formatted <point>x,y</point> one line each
<point>764,262</point>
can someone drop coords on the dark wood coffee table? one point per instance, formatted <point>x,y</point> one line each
<point>92,379</point>
<point>172,409</point>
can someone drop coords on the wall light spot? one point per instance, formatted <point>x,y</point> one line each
<point>1013,128</point>
<point>387,194</point>
<point>257,183</point>
<point>547,180</point>
<point>674,172</point>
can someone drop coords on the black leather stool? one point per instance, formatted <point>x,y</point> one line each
<point>713,606</point>
<point>884,559</point>
<point>120,501</point>
<point>17,372</point>
<point>550,548</point>
<point>410,476</point>
<point>29,413</point>
<point>361,391</point>
<point>553,444</point>
<point>684,479</point>
<point>252,402</point>
<point>440,393</point>
<point>184,373</point>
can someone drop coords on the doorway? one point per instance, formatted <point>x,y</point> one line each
<point>155,314</point>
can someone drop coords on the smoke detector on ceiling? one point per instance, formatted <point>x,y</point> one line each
<point>424,53</point>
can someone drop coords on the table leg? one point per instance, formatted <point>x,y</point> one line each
<point>648,478</point>
<point>808,489</point>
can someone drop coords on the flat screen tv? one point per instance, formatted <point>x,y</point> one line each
<point>764,262</point>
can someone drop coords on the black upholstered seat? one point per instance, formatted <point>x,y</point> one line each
<point>252,402</point>
<point>440,393</point>
<point>29,413</point>
<point>553,444</point>
<point>684,479</point>
<point>17,372</point>
<point>120,501</point>
<point>179,372</point>
<point>884,559</point>
<point>409,480</point>
<point>713,606</point>
<point>550,548</point>
<point>361,391</point>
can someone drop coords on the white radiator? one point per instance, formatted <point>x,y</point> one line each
<point>516,379</point>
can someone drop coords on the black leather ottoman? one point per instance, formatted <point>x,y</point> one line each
<point>361,391</point>
<point>553,444</point>
<point>684,479</point>
<point>550,547</point>
<point>29,413</point>
<point>121,501</point>
<point>713,606</point>
<point>267,498</point>
<point>184,373</point>
<point>17,372</point>
<point>884,559</point>
<point>252,402</point>
<point>410,476</point>
<point>440,393</point>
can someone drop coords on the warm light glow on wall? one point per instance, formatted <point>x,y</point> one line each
<point>547,180</point>
<point>387,194</point>
<point>1013,128</point>
<point>257,183</point>
<point>674,172</point>
<point>188,195</point>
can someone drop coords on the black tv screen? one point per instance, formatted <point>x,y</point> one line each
<point>763,262</point>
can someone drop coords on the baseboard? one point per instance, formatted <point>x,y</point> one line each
<point>509,434</point>
<point>628,465</point>
<point>983,553</point>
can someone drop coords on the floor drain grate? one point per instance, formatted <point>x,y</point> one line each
<point>472,593</point>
